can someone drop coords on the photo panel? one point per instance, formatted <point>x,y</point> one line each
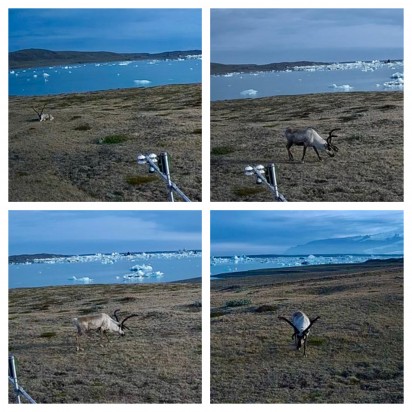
<point>307,307</point>
<point>97,117</point>
<point>105,306</point>
<point>321,105</point>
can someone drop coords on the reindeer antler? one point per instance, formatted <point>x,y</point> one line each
<point>291,324</point>
<point>122,326</point>
<point>331,133</point>
<point>38,114</point>
<point>115,314</point>
<point>42,110</point>
<point>329,139</point>
<point>310,325</point>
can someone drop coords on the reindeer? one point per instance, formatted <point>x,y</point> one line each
<point>309,137</point>
<point>43,116</point>
<point>301,325</point>
<point>100,322</point>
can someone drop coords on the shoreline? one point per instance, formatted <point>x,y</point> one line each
<point>310,271</point>
<point>91,92</point>
<point>190,281</point>
<point>306,95</point>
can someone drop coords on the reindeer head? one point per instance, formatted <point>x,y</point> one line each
<point>330,148</point>
<point>300,336</point>
<point>121,324</point>
<point>43,116</point>
<point>39,114</point>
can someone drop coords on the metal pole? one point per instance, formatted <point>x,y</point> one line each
<point>272,173</point>
<point>274,189</point>
<point>164,177</point>
<point>166,171</point>
<point>13,376</point>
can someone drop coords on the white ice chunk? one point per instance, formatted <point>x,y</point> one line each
<point>249,92</point>
<point>141,82</point>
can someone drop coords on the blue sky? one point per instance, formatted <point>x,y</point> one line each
<point>266,232</point>
<point>275,35</point>
<point>78,232</point>
<point>117,30</point>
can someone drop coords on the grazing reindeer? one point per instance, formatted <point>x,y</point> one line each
<point>43,116</point>
<point>301,325</point>
<point>100,322</point>
<point>309,137</point>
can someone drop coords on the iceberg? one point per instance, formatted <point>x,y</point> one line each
<point>84,279</point>
<point>142,82</point>
<point>249,92</point>
<point>344,87</point>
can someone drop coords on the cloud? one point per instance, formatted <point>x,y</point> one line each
<point>248,232</point>
<point>86,230</point>
<point>121,30</point>
<point>273,34</point>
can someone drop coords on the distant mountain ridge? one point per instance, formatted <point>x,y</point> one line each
<point>368,244</point>
<point>219,69</point>
<point>42,57</point>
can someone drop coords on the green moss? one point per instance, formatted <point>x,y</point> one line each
<point>113,139</point>
<point>83,127</point>
<point>221,150</point>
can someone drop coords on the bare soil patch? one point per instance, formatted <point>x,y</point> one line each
<point>157,361</point>
<point>368,166</point>
<point>354,352</point>
<point>88,152</point>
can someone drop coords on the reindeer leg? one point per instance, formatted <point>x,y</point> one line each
<point>304,152</point>
<point>288,146</point>
<point>316,150</point>
<point>77,342</point>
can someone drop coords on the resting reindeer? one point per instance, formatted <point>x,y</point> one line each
<point>301,325</point>
<point>100,322</point>
<point>43,116</point>
<point>309,137</point>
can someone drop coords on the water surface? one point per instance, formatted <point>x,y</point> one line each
<point>358,76</point>
<point>107,269</point>
<point>230,264</point>
<point>103,76</point>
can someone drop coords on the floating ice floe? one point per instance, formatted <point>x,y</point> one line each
<point>141,272</point>
<point>249,92</point>
<point>234,263</point>
<point>344,87</point>
<point>84,279</point>
<point>115,257</point>
<point>144,268</point>
<point>142,82</point>
<point>394,84</point>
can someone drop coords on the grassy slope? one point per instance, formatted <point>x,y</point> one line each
<point>65,160</point>
<point>368,166</point>
<point>158,361</point>
<point>355,351</point>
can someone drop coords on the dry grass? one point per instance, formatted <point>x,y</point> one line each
<point>88,150</point>
<point>158,361</point>
<point>354,353</point>
<point>368,166</point>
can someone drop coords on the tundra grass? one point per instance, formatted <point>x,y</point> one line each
<point>354,351</point>
<point>157,361</point>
